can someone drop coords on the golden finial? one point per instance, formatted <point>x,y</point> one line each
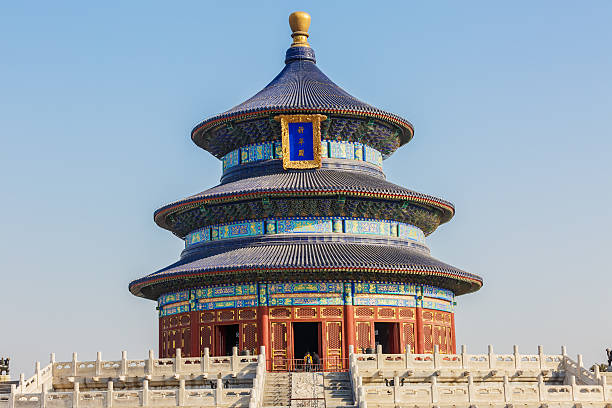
<point>299,21</point>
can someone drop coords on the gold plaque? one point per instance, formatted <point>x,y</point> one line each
<point>301,140</point>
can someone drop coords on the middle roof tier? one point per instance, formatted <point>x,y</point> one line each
<point>291,193</point>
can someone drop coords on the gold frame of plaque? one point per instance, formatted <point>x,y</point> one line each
<point>316,120</point>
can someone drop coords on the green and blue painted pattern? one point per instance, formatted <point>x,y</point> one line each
<point>306,225</point>
<point>329,149</point>
<point>307,293</point>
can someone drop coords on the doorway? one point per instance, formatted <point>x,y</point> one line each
<point>228,336</point>
<point>306,339</point>
<point>387,335</point>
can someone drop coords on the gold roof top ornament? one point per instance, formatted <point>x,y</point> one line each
<point>299,21</point>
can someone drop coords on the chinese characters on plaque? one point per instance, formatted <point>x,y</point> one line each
<point>301,141</point>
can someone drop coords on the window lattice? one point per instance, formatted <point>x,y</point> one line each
<point>386,312</point>
<point>225,315</point>
<point>364,312</point>
<point>247,314</point>
<point>207,317</point>
<point>407,313</point>
<point>427,315</point>
<point>331,312</point>
<point>280,313</point>
<point>185,320</point>
<point>306,313</point>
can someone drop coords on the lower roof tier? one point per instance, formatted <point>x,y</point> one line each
<point>296,184</point>
<point>260,259</point>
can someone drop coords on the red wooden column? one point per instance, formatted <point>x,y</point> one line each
<point>420,336</point>
<point>453,336</point>
<point>263,328</point>
<point>161,346</point>
<point>349,327</point>
<point>349,318</point>
<point>195,334</point>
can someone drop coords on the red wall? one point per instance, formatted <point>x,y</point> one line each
<point>271,326</point>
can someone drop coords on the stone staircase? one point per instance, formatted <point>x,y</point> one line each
<point>337,390</point>
<point>277,390</point>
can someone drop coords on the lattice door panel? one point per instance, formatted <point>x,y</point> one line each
<point>279,345</point>
<point>364,335</point>
<point>334,345</point>
<point>249,337</point>
<point>428,338</point>
<point>449,340</point>
<point>408,338</point>
<point>206,338</point>
<point>186,342</point>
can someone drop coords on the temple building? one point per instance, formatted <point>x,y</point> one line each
<point>304,246</point>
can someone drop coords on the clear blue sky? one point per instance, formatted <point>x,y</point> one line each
<point>512,108</point>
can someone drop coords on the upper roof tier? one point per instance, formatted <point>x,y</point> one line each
<point>301,87</point>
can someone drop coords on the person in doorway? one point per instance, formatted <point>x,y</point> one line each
<point>307,361</point>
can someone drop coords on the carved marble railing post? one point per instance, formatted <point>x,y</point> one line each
<point>463,356</point>
<point>234,362</point>
<point>564,357</point>
<point>181,392</point>
<point>75,395</point>
<point>379,357</point>
<point>219,393</point>
<point>541,390</point>
<point>21,383</point>
<point>178,360</point>
<point>434,389</point>
<point>507,390</point>
<point>124,365</point>
<point>98,363</point>
<point>407,356</point>
<point>206,360</point>
<point>109,395</point>
<point>517,357</point>
<point>43,396</point>
<point>362,397</point>
<point>150,363</point>
<point>52,362</point>
<point>573,385</point>
<point>11,401</point>
<point>74,364</point>
<point>491,357</point>
<point>597,374</point>
<point>145,393</point>
<point>604,386</point>
<point>396,394</point>
<point>436,356</point>
<point>541,357</point>
<point>37,374</point>
<point>470,388</point>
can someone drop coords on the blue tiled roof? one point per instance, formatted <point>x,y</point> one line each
<point>342,259</point>
<point>301,86</point>
<point>309,181</point>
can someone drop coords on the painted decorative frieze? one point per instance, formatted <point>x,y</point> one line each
<point>329,149</point>
<point>315,225</point>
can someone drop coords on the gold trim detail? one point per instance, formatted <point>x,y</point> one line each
<point>316,120</point>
